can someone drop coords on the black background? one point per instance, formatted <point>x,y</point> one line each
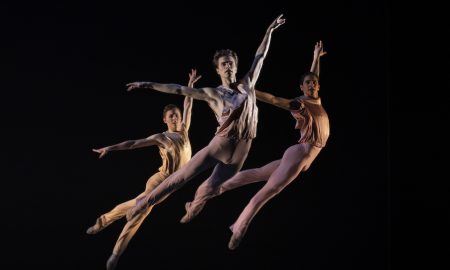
<point>64,94</point>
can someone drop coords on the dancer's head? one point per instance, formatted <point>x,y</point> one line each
<point>172,117</point>
<point>309,84</point>
<point>226,63</point>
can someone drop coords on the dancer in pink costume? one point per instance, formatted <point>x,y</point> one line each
<point>312,121</point>
<point>175,150</point>
<point>234,104</point>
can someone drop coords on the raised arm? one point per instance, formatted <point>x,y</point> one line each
<point>261,53</point>
<point>156,139</point>
<point>187,111</point>
<point>318,52</point>
<point>284,103</point>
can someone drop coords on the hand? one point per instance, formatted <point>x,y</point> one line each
<point>278,21</point>
<point>134,85</point>
<point>318,50</point>
<point>102,151</point>
<point>193,78</point>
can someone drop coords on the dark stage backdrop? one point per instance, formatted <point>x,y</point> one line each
<point>64,94</point>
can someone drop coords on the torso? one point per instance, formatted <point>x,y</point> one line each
<point>312,121</point>
<point>239,115</point>
<point>176,153</point>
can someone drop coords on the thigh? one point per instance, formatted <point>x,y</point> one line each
<point>250,176</point>
<point>200,162</point>
<point>154,181</point>
<point>222,172</point>
<point>289,167</point>
<point>241,150</point>
<point>265,171</point>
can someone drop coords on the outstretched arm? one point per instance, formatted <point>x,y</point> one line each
<point>284,103</point>
<point>187,111</point>
<point>318,52</point>
<point>156,139</point>
<point>261,53</point>
<point>207,94</point>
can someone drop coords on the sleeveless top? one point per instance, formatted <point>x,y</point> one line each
<point>177,153</point>
<point>239,117</point>
<point>312,121</point>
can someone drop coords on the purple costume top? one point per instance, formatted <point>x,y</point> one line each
<point>240,114</point>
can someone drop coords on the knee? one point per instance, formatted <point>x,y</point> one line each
<point>305,167</point>
<point>274,190</point>
<point>268,193</point>
<point>175,182</point>
<point>222,189</point>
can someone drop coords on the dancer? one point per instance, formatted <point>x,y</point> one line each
<point>312,121</point>
<point>234,104</point>
<point>175,150</point>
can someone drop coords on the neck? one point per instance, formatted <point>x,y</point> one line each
<point>173,130</point>
<point>311,96</point>
<point>228,81</point>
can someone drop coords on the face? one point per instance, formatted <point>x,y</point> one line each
<point>173,119</point>
<point>226,67</point>
<point>310,86</point>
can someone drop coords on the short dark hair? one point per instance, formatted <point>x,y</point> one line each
<point>309,73</point>
<point>224,52</point>
<point>169,107</point>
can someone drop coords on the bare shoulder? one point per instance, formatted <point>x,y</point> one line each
<point>245,81</point>
<point>212,94</point>
<point>159,138</point>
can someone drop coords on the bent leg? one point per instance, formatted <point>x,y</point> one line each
<point>208,189</point>
<point>200,162</point>
<point>120,210</point>
<point>129,230</point>
<point>131,227</point>
<point>222,172</point>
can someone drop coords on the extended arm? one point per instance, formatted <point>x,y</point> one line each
<point>318,52</point>
<point>156,139</point>
<point>284,103</point>
<point>206,94</point>
<point>187,111</point>
<point>261,53</point>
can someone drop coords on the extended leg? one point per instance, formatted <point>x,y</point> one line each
<point>290,167</point>
<point>222,172</point>
<point>250,176</point>
<point>200,162</point>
